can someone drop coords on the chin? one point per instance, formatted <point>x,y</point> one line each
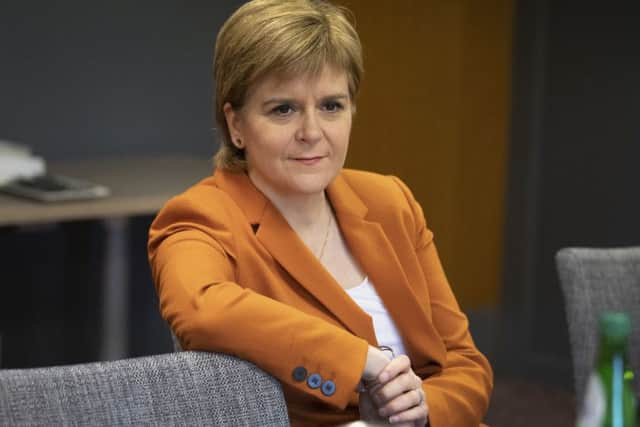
<point>312,184</point>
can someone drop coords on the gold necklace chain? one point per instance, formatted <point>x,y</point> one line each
<point>326,237</point>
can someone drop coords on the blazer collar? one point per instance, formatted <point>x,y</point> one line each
<point>238,185</point>
<point>253,203</point>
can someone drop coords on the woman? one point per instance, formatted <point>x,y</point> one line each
<point>287,260</point>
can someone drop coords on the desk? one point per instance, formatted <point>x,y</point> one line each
<point>139,186</point>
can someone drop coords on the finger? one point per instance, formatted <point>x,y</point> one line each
<point>368,409</point>
<point>417,414</point>
<point>402,403</point>
<point>400,364</point>
<point>397,386</point>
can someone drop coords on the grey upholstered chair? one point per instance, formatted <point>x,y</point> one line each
<point>593,281</point>
<point>186,388</point>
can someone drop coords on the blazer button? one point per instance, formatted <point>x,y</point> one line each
<point>299,374</point>
<point>314,380</point>
<point>328,388</point>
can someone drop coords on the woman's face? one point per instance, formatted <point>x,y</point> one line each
<point>295,132</point>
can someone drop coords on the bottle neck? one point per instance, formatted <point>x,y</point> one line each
<point>612,346</point>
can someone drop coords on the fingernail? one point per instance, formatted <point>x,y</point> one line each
<point>393,419</point>
<point>384,377</point>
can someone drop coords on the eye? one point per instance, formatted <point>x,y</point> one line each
<point>282,110</point>
<point>332,106</point>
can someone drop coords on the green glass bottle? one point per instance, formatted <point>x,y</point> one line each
<point>610,400</point>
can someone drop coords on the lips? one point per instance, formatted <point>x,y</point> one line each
<point>308,160</point>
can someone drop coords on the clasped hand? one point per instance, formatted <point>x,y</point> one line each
<point>393,392</point>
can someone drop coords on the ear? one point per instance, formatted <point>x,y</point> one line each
<point>232,118</point>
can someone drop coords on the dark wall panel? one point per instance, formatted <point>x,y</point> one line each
<point>575,150</point>
<point>591,144</point>
<point>88,78</point>
<point>50,304</point>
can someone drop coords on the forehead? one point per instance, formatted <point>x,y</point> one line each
<point>328,81</point>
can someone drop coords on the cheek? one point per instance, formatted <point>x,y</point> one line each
<point>266,142</point>
<point>258,135</point>
<point>341,134</point>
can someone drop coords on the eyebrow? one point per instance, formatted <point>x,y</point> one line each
<point>337,96</point>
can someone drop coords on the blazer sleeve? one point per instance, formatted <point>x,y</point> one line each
<point>459,393</point>
<point>193,264</point>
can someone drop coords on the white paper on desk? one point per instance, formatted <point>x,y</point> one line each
<point>16,161</point>
<point>15,167</point>
<point>10,148</point>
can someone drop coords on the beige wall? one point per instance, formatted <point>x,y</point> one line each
<point>434,110</point>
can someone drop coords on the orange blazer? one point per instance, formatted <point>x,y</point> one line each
<point>232,276</point>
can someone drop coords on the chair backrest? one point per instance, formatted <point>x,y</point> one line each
<point>593,281</point>
<point>186,388</point>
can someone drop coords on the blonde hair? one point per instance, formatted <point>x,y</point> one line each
<point>286,37</point>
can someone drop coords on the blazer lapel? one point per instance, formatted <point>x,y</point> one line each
<point>293,255</point>
<point>284,245</point>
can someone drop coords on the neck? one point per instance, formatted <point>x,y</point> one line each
<point>302,211</point>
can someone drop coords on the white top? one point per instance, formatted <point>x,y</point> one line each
<point>367,298</point>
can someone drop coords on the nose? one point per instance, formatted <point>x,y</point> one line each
<point>310,130</point>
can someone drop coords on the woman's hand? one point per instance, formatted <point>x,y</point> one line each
<point>369,410</point>
<point>398,394</point>
<point>376,361</point>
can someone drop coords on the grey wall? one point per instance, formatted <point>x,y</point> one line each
<point>89,78</point>
<point>574,173</point>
